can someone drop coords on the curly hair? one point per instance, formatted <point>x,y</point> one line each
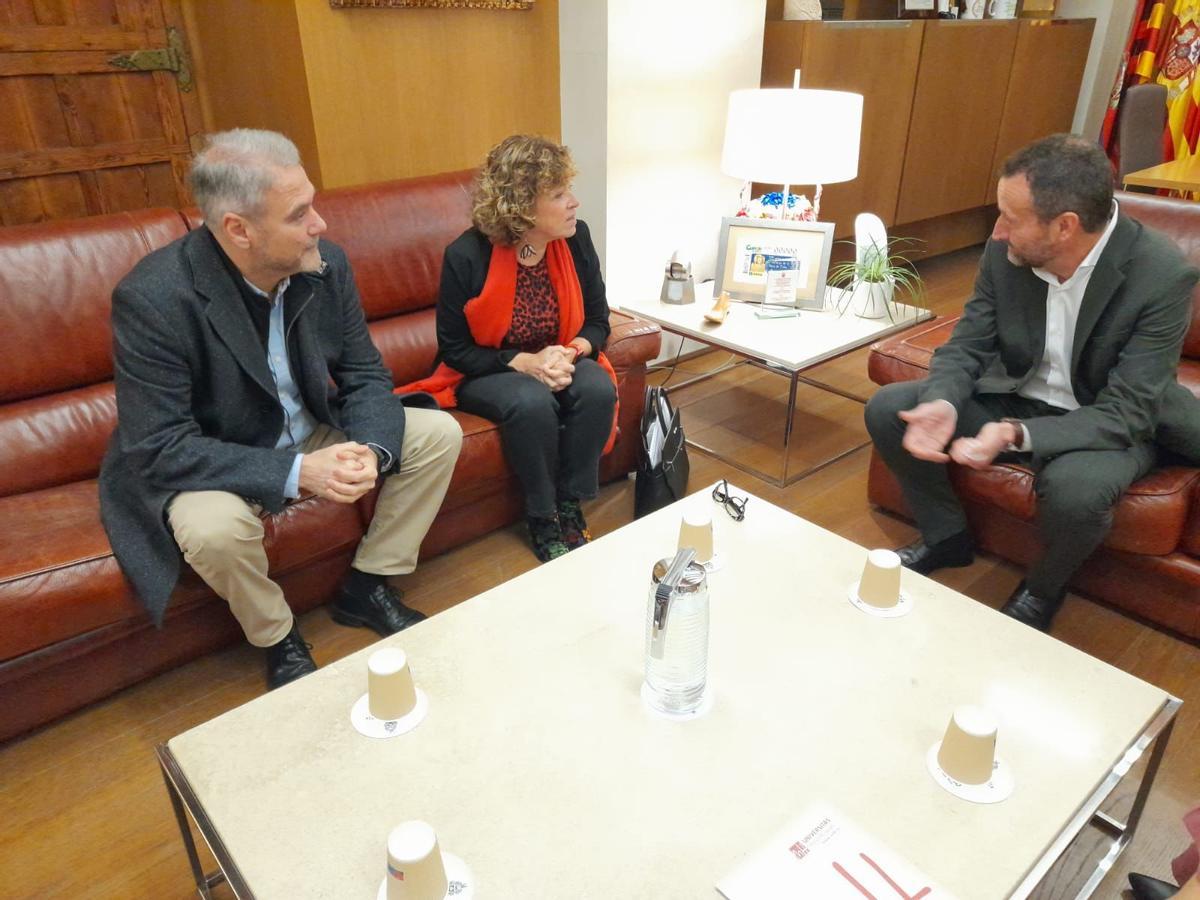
<point>516,172</point>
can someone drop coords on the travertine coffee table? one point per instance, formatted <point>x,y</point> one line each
<point>539,766</point>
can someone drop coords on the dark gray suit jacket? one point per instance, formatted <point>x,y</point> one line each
<point>197,407</point>
<point>1134,316</point>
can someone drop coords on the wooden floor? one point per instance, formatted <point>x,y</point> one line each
<point>83,812</point>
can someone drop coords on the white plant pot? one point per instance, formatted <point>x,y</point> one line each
<point>870,298</point>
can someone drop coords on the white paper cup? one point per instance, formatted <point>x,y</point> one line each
<point>880,583</point>
<point>968,750</point>
<point>696,531</point>
<point>415,867</point>
<point>390,690</point>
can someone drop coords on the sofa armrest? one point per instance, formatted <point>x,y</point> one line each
<point>632,342</point>
<point>906,356</point>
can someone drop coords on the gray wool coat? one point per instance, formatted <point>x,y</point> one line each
<point>196,402</point>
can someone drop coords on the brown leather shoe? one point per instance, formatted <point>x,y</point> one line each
<point>1036,612</point>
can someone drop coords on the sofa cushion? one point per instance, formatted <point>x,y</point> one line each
<point>56,439</point>
<point>395,233</point>
<point>57,280</point>
<point>59,579</point>
<point>407,343</point>
<point>1180,221</point>
<point>906,356</point>
<point>1149,519</point>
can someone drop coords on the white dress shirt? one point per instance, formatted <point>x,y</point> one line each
<point>1051,381</point>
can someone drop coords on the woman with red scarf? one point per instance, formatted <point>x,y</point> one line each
<point>521,320</point>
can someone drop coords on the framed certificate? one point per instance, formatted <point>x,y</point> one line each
<point>788,256</point>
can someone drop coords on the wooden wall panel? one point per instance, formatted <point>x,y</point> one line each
<point>232,42</point>
<point>402,92</point>
<point>783,52</point>
<point>1050,53</point>
<point>961,86</point>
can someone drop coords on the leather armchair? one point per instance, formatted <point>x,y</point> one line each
<point>1149,564</point>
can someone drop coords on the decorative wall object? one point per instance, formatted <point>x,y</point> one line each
<point>440,4</point>
<point>801,9</point>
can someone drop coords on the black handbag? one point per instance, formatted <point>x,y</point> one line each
<point>662,473</point>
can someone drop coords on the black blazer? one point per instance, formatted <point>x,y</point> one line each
<point>464,270</point>
<point>1132,322</point>
<point>196,401</point>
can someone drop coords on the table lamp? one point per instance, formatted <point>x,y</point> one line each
<point>793,136</point>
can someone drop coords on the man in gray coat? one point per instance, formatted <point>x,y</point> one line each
<point>245,377</point>
<point>1066,354</point>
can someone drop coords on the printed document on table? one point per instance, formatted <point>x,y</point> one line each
<point>823,854</point>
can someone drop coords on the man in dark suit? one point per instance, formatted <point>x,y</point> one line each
<point>245,377</point>
<point>1066,354</point>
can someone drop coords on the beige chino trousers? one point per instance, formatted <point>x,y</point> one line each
<point>221,534</point>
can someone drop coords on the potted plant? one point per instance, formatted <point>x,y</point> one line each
<point>869,281</point>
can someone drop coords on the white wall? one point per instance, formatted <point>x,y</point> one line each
<point>667,74</point>
<point>1113,20</point>
<point>583,86</point>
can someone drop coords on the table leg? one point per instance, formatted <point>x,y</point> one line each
<point>787,426</point>
<point>184,803</point>
<point>1123,832</point>
<point>1157,733</point>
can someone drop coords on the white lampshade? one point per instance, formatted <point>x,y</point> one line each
<point>792,136</point>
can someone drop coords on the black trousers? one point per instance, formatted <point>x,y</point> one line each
<point>1076,491</point>
<point>552,440</point>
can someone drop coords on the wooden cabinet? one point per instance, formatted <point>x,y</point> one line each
<point>961,86</point>
<point>884,57</point>
<point>944,102</point>
<point>1050,54</point>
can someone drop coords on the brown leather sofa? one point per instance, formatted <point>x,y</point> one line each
<point>71,631</point>
<point>1149,564</point>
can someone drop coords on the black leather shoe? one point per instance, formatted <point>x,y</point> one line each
<point>1147,888</point>
<point>952,553</point>
<point>1037,612</point>
<point>380,609</point>
<point>289,659</point>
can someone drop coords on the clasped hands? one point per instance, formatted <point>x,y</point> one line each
<point>340,472</point>
<point>931,426</point>
<point>553,366</point>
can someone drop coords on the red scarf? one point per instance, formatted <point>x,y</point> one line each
<point>489,316</point>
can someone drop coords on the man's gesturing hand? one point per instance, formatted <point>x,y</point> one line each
<point>930,427</point>
<point>340,472</point>
<point>978,452</point>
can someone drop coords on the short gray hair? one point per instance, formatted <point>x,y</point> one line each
<point>236,168</point>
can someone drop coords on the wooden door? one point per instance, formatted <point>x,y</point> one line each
<point>93,116</point>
